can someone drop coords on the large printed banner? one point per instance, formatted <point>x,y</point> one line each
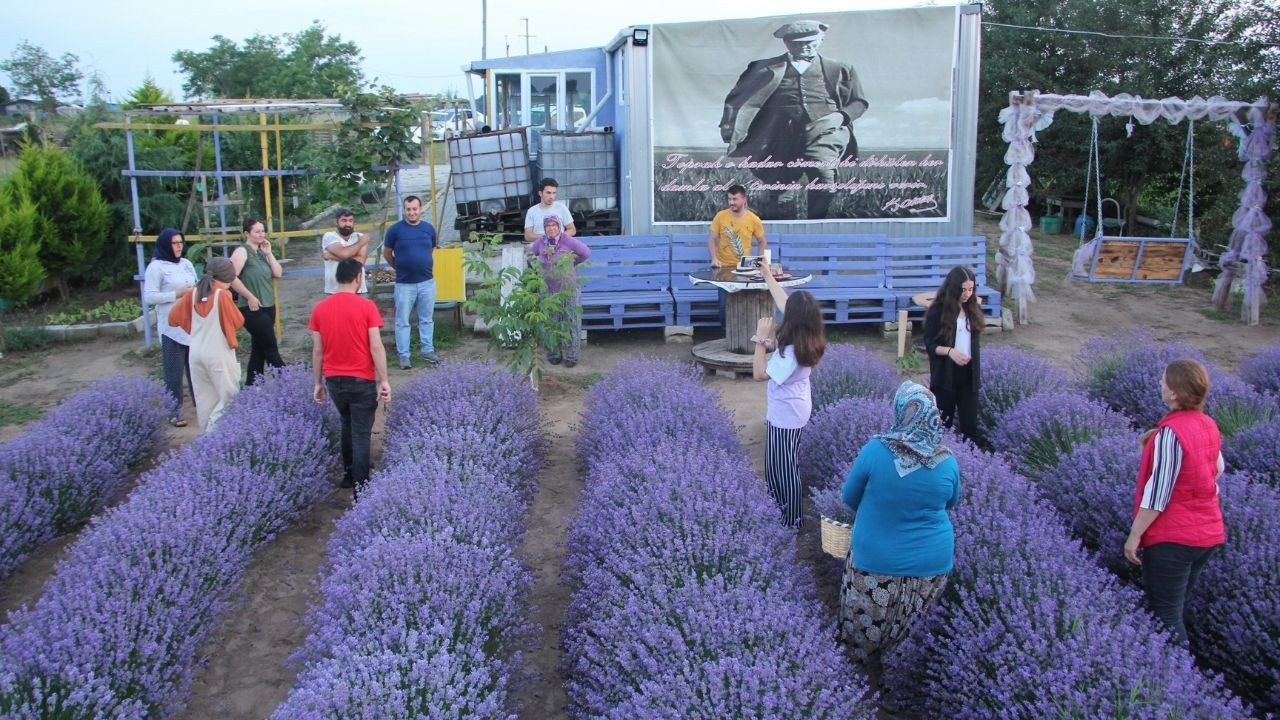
<point>835,116</point>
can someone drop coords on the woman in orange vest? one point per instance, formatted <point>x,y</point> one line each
<point>1177,519</point>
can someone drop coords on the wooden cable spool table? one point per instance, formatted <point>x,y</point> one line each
<point>747,300</point>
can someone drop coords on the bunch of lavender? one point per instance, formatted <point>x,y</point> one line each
<point>1262,370</point>
<point>1009,375</point>
<point>831,441</point>
<point>1234,610</point>
<point>424,598</point>
<point>116,631</point>
<point>64,468</point>
<point>1030,627</point>
<point>688,600</point>
<point>1235,405</point>
<point>1256,451</point>
<point>1038,431</point>
<point>829,504</point>
<point>1092,488</point>
<point>1124,372</point>
<point>851,371</point>
<point>644,399</point>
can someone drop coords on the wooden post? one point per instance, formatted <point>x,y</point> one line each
<point>902,333</point>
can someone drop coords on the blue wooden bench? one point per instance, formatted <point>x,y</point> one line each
<point>696,305</point>
<point>627,282</point>
<point>918,264</point>
<point>848,274</point>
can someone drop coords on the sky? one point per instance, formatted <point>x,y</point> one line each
<point>414,47</point>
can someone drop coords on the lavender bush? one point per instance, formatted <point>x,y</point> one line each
<point>851,371</point>
<point>1009,375</point>
<point>688,601</point>
<point>1235,405</point>
<point>1031,628</point>
<point>1234,610</point>
<point>1262,370</point>
<point>1256,451</point>
<point>834,435</point>
<point>1124,372</point>
<point>424,599</point>
<point>1092,488</point>
<point>1038,431</point>
<point>64,468</point>
<point>116,631</point>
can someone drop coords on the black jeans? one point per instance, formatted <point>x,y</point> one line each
<point>1168,572</point>
<point>263,349</point>
<point>958,404</point>
<point>357,401</point>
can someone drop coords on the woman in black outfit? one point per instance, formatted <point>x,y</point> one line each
<point>952,327</point>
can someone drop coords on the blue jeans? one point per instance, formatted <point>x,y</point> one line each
<point>1169,570</point>
<point>357,401</point>
<point>423,295</point>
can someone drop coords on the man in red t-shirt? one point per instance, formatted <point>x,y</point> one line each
<point>350,363</point>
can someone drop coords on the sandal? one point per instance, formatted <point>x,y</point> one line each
<point>177,422</point>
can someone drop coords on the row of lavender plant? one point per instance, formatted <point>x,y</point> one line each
<point>423,603</point>
<point>1084,457</point>
<point>118,626</point>
<point>64,468</point>
<point>689,601</point>
<point>1031,627</point>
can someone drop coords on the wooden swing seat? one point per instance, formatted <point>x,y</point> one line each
<point>1138,260</point>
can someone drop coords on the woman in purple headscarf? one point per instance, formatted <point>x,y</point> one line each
<point>548,249</point>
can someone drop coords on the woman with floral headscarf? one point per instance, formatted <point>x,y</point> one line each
<point>901,487</point>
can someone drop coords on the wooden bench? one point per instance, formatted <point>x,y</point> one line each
<point>919,264</point>
<point>696,305</point>
<point>627,282</point>
<point>848,274</point>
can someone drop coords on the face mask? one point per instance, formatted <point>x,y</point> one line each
<point>346,231</point>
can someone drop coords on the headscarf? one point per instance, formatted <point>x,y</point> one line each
<point>552,218</point>
<point>218,268</point>
<point>164,245</point>
<point>916,437</point>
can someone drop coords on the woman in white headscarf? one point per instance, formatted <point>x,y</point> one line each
<point>901,488</point>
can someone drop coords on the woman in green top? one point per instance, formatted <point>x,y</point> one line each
<point>255,269</point>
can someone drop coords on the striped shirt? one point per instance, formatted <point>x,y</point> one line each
<point>1166,463</point>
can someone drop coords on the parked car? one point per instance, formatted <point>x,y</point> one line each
<point>454,121</point>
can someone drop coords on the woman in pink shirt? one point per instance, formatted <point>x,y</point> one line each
<point>801,341</point>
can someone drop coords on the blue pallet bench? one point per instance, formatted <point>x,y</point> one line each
<point>627,282</point>
<point>919,264</point>
<point>848,274</point>
<point>696,305</point>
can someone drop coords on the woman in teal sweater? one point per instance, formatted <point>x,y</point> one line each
<point>901,487</point>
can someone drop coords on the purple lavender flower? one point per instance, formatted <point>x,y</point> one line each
<point>66,467</point>
<point>833,437</point>
<point>1262,371</point>
<point>1038,431</point>
<point>851,371</point>
<point>1235,405</point>
<point>1124,371</point>
<point>116,631</point>
<point>1010,374</point>
<point>1092,487</point>
<point>1256,451</point>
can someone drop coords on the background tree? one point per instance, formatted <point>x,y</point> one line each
<point>20,229</point>
<point>4,95</point>
<point>67,198</point>
<point>307,64</point>
<point>35,72</point>
<point>148,93</point>
<point>1141,170</point>
<point>374,140</point>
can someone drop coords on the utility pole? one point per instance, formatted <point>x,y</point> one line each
<point>507,40</point>
<point>526,35</point>
<point>484,29</point>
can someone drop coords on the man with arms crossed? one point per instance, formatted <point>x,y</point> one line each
<point>537,215</point>
<point>350,366</point>
<point>733,230</point>
<point>407,247</point>
<point>343,244</point>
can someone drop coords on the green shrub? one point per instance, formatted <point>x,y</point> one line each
<point>20,269</point>
<point>122,310</point>
<point>68,198</point>
<point>26,337</point>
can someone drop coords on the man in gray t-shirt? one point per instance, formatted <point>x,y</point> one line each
<point>533,219</point>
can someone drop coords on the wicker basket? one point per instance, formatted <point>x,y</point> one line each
<point>835,537</point>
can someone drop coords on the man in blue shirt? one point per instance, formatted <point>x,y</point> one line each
<point>407,247</point>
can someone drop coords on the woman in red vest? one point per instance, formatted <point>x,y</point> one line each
<point>1177,521</point>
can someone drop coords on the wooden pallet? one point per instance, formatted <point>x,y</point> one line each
<point>599,222</point>
<point>1141,260</point>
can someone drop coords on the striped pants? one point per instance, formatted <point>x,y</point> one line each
<point>780,472</point>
